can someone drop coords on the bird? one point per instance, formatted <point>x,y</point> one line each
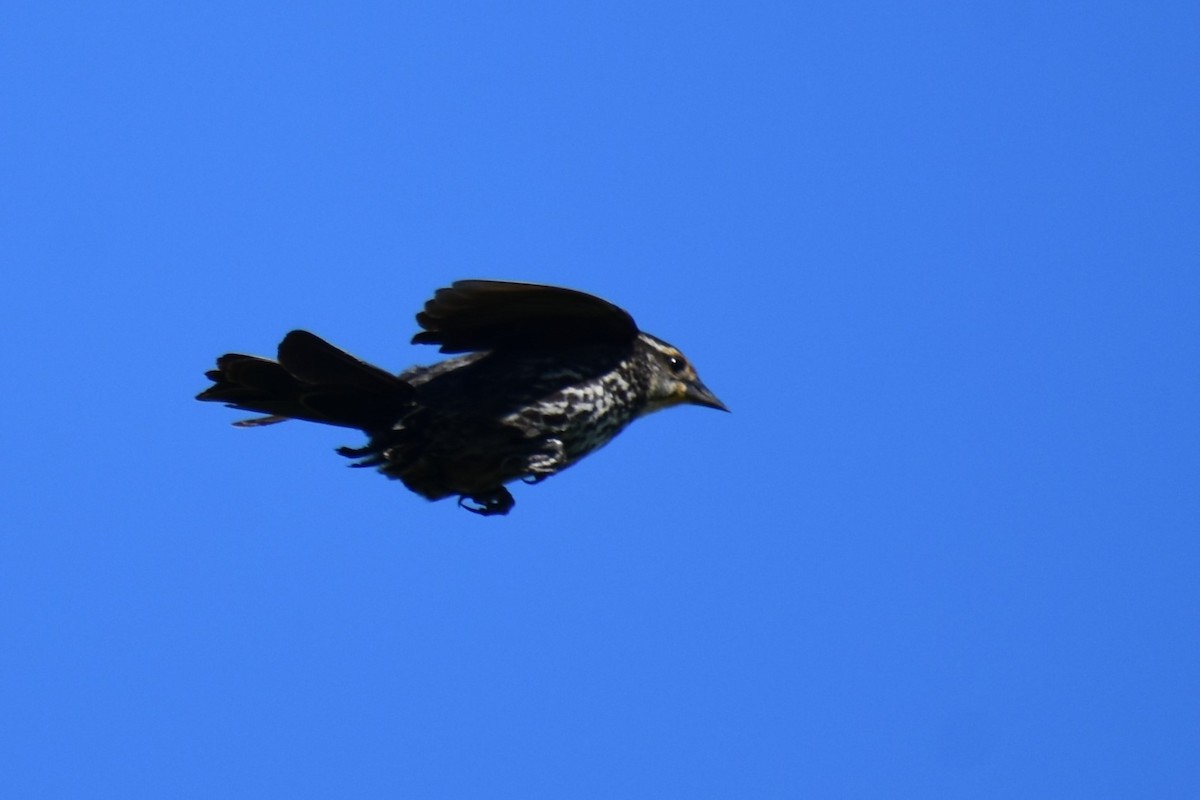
<point>540,376</point>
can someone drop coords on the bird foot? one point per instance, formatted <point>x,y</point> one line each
<point>542,463</point>
<point>495,502</point>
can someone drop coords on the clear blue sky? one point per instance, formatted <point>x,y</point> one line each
<point>941,260</point>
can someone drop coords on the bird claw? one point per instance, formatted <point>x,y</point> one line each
<point>543,463</point>
<point>496,502</point>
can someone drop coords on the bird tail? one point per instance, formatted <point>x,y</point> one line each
<point>311,380</point>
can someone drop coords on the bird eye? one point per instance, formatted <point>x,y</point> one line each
<point>676,364</point>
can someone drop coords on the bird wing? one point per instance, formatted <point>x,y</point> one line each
<point>490,315</point>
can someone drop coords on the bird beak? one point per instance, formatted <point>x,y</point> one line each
<point>698,394</point>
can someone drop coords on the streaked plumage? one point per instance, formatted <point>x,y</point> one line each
<point>547,376</point>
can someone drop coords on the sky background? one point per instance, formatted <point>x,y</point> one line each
<point>940,259</point>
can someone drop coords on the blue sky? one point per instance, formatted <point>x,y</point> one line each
<point>939,259</point>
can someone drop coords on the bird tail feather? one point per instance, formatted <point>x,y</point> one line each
<point>311,380</point>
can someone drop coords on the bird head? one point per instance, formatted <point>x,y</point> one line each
<point>673,380</point>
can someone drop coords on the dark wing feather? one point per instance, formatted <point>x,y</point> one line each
<point>491,315</point>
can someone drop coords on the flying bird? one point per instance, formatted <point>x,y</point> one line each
<point>546,376</point>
